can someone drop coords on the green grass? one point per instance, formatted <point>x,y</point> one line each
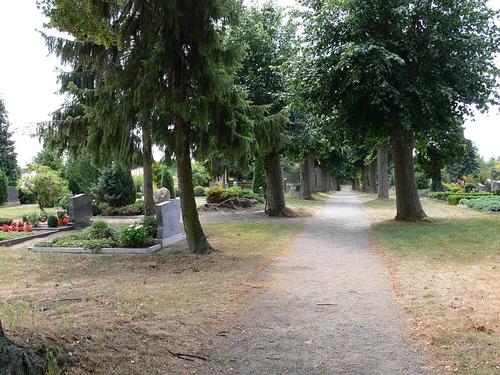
<point>11,235</point>
<point>446,273</point>
<point>17,212</point>
<point>318,199</point>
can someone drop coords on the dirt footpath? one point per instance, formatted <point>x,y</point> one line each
<point>329,310</point>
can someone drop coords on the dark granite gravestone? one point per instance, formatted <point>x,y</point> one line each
<point>80,210</point>
<point>169,222</point>
<point>12,196</point>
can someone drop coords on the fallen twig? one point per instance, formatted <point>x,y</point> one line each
<point>186,357</point>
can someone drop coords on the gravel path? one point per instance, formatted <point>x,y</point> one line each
<point>329,309</point>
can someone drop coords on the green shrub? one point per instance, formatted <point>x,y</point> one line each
<point>216,194</point>
<point>237,192</point>
<point>115,187</point>
<point>64,201</point>
<point>129,210</point>
<point>469,187</point>
<point>78,241</point>
<point>26,196</point>
<point>259,176</point>
<point>151,224</point>
<point>4,184</point>
<point>134,236</point>
<point>4,221</point>
<point>138,183</point>
<point>453,199</point>
<point>442,195</point>
<point>454,188</point>
<point>199,191</point>
<point>200,174</point>
<point>46,183</point>
<point>52,221</point>
<point>486,204</point>
<point>100,229</point>
<point>34,218</point>
<point>167,181</point>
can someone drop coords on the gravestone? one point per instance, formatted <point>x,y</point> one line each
<point>80,210</point>
<point>12,196</point>
<point>169,222</point>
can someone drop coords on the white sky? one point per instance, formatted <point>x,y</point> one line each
<point>28,82</point>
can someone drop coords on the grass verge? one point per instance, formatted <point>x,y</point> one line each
<point>121,314</point>
<point>446,274</point>
<point>17,212</point>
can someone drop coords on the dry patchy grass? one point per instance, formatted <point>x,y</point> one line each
<point>121,314</point>
<point>446,273</point>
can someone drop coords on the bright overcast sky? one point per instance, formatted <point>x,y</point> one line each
<point>28,81</point>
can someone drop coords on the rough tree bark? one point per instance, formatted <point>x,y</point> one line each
<point>383,172</point>
<point>334,184</point>
<point>147,166</point>
<point>364,179</point>
<point>196,239</point>
<point>372,176</point>
<point>320,179</point>
<point>274,180</point>
<point>312,175</point>
<point>305,179</point>
<point>407,200</point>
<point>16,361</point>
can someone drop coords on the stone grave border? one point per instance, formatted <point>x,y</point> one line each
<point>43,233</point>
<point>105,250</point>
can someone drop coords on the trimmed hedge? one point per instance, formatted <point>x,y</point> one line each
<point>487,204</point>
<point>453,199</point>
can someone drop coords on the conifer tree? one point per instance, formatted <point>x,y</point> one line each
<point>8,159</point>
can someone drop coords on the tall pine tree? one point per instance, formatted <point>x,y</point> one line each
<point>8,157</point>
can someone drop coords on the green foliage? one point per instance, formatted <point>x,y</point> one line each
<point>81,174</point>
<point>259,176</point>
<point>76,240</point>
<point>485,204</point>
<point>33,218</point>
<point>469,187</point>
<point>134,209</point>
<point>422,180</point>
<point>4,184</point>
<point>199,191</point>
<point>454,188</point>
<point>101,230</point>
<point>115,187</point>
<point>237,192</point>
<point>4,220</point>
<point>151,224</point>
<point>157,172</point>
<point>135,236</point>
<point>52,221</point>
<point>26,196</point>
<point>138,183</point>
<point>200,174</point>
<point>216,194</point>
<point>46,184</point>
<point>468,165</point>
<point>454,199</point>
<point>64,201</point>
<point>167,181</point>
<point>8,157</point>
<point>49,157</point>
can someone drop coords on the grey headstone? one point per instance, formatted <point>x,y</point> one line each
<point>80,210</point>
<point>169,222</point>
<point>12,196</point>
<point>161,195</point>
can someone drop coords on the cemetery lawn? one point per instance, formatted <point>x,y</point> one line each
<point>17,212</point>
<point>115,314</point>
<point>312,205</point>
<point>11,235</point>
<point>446,273</point>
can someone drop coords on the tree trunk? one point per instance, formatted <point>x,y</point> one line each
<point>312,175</point>
<point>383,172</point>
<point>14,360</point>
<point>196,239</point>
<point>305,179</point>
<point>320,182</point>
<point>407,200</point>
<point>372,174</point>
<point>437,182</point>
<point>274,180</point>
<point>356,184</point>
<point>147,166</point>
<point>334,183</point>
<point>364,178</point>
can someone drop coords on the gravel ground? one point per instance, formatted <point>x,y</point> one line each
<point>329,308</point>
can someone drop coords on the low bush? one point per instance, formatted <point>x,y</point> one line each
<point>33,218</point>
<point>64,201</point>
<point>52,221</point>
<point>77,241</point>
<point>135,236</point>
<point>453,199</point>
<point>26,196</point>
<point>237,192</point>
<point>199,191</point>
<point>130,210</point>
<point>485,204</point>
<point>469,187</point>
<point>442,195</point>
<point>216,194</point>
<point>151,223</point>
<point>4,220</point>
<point>454,188</point>
<point>101,230</point>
